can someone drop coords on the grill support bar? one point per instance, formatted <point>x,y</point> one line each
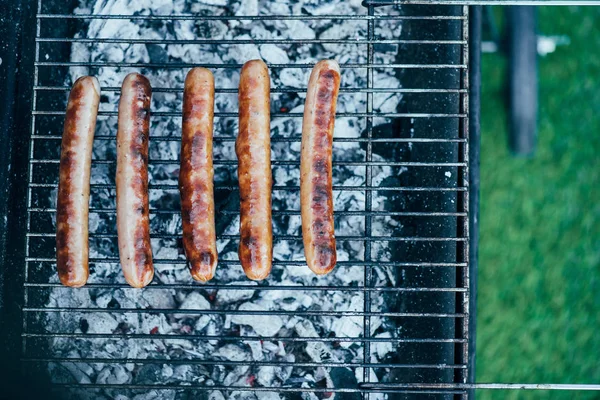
<point>474,146</point>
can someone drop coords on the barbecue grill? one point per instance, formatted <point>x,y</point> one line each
<point>396,317</point>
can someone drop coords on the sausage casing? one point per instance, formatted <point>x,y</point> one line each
<point>253,149</point>
<point>72,208</point>
<point>133,217</point>
<point>316,197</point>
<point>196,174</point>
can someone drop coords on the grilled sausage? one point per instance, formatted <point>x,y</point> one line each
<point>196,174</point>
<point>316,198</point>
<point>133,219</point>
<point>253,149</point>
<point>72,206</point>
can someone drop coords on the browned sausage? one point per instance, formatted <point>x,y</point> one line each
<point>72,206</point>
<point>133,218</point>
<point>196,174</point>
<point>253,149</point>
<point>316,198</point>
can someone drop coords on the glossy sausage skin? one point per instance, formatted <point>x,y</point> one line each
<point>133,218</point>
<point>196,174</point>
<point>72,206</point>
<point>253,149</point>
<point>316,197</point>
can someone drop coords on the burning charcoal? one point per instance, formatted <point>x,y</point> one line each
<point>159,298</point>
<point>148,374</point>
<point>237,377</point>
<point>227,296</point>
<point>77,372</point>
<point>214,2</point>
<point>266,375</point>
<point>284,373</point>
<point>216,395</point>
<point>317,7</point>
<point>263,325</point>
<point>247,7</point>
<point>113,375</point>
<point>232,352</point>
<point>383,348</point>
<point>273,54</point>
<point>202,322</point>
<point>101,323</point>
<point>157,53</point>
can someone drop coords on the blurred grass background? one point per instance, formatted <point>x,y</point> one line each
<point>539,270</point>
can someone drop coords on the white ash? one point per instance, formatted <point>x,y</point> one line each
<point>171,269</point>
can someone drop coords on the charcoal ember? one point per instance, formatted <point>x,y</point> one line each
<point>263,325</point>
<point>228,296</point>
<point>273,54</point>
<point>156,395</point>
<point>113,375</point>
<point>215,395</point>
<point>195,301</point>
<point>247,7</point>
<point>214,2</point>
<point>80,372</point>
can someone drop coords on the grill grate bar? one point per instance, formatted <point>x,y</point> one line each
<point>251,17</point>
<point>296,364</point>
<point>279,162</point>
<point>196,387</point>
<point>240,312</point>
<point>352,90</point>
<point>133,336</point>
<point>368,275</point>
<point>247,41</point>
<point>238,66</point>
<point>284,212</point>
<point>285,237</point>
<point>291,139</point>
<point>276,288</point>
<point>276,114</point>
<point>281,188</point>
<point>275,263</point>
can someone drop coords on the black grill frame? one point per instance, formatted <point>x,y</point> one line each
<point>17,285</point>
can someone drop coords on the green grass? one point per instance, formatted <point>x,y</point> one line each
<point>539,269</point>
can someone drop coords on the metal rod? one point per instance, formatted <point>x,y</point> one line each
<point>314,313</point>
<point>247,41</point>
<point>290,139</point>
<point>187,361</point>
<point>276,263</point>
<point>343,90</point>
<point>378,3</point>
<point>276,188</point>
<point>283,237</point>
<point>247,17</point>
<point>237,66</point>
<point>492,386</point>
<point>475,21</point>
<point>177,114</point>
<point>172,336</point>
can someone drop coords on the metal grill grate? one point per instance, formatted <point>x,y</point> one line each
<point>432,301</point>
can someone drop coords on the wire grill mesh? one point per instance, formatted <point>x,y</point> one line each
<point>432,304</point>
